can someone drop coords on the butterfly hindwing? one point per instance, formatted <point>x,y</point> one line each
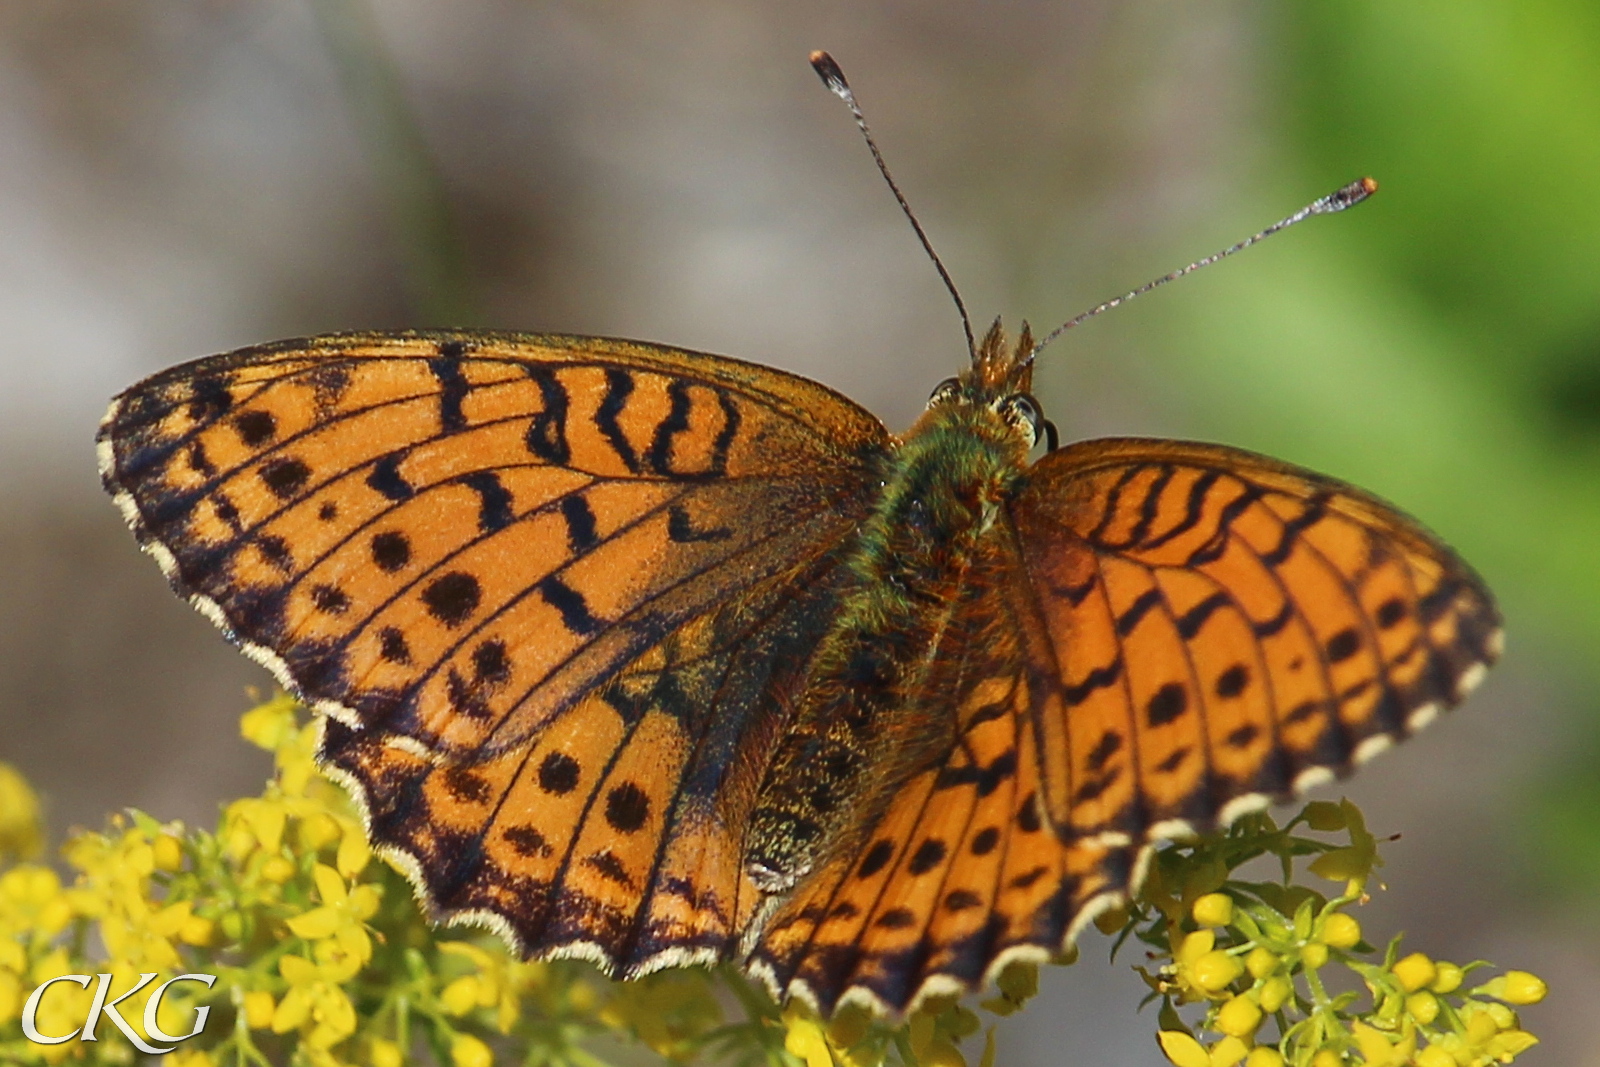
<point>1224,629</point>
<point>960,874</point>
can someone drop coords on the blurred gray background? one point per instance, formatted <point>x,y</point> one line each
<point>181,177</point>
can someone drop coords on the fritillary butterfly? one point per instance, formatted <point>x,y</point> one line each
<point>652,657</point>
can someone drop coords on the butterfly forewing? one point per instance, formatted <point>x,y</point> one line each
<point>1224,629</point>
<point>546,587</point>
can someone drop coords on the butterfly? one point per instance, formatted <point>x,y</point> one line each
<point>651,657</point>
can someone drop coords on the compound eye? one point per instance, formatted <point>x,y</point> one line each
<point>1023,412</point>
<point>945,391</point>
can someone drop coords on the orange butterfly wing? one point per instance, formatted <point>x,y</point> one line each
<point>961,874</point>
<point>543,587</point>
<point>1167,636</point>
<point>1225,629</point>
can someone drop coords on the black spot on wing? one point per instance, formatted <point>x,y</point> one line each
<point>627,808</point>
<point>1167,705</point>
<point>581,533</point>
<point>928,855</point>
<point>255,428</point>
<point>284,476</point>
<point>392,645</point>
<point>723,442</point>
<point>1316,509</point>
<point>877,857</point>
<point>330,599</point>
<point>1191,516</point>
<point>1271,627</point>
<point>1342,645</point>
<point>209,397</point>
<point>490,663</point>
<point>619,385</point>
<point>527,840</point>
<point>1191,621</point>
<point>452,597</point>
<point>659,456</point>
<point>494,500</point>
<point>1109,745</point>
<point>1099,678</point>
<point>559,773</point>
<point>391,550</point>
<point>1232,682</point>
<point>546,437</point>
<point>1390,612</point>
<point>387,480</point>
<point>453,386</point>
<point>681,529</point>
<point>1137,611</point>
<point>574,609</point>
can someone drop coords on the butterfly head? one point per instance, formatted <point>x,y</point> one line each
<point>999,381</point>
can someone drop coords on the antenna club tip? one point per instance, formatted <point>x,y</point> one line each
<point>1347,197</point>
<point>829,72</point>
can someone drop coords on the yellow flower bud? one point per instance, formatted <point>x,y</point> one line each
<point>1324,816</point>
<point>1111,920</point>
<point>1195,945</point>
<point>168,853</point>
<point>1327,1058</point>
<point>1229,1051</point>
<point>468,1051</point>
<point>1261,962</point>
<point>1509,1044</point>
<point>318,831</point>
<point>1481,1026</point>
<point>1340,931</point>
<point>1520,987</point>
<point>1314,955</point>
<point>197,930</point>
<point>1214,971</point>
<point>1264,1056</point>
<point>1414,972</point>
<point>1504,1018</point>
<point>1275,993</point>
<point>1239,1017</point>
<point>384,1053</point>
<point>277,870</point>
<point>258,1009</point>
<point>460,996</point>
<point>354,853</point>
<point>1434,1056</point>
<point>1019,981</point>
<point>1448,978</point>
<point>803,1039</point>
<point>1423,1007</point>
<point>1213,909</point>
<point>1183,1050</point>
<point>941,1053</point>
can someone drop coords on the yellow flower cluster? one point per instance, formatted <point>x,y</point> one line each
<point>1253,953</point>
<point>322,958</point>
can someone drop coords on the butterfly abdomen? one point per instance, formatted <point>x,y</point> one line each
<point>869,714</point>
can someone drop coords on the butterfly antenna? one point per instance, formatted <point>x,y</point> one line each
<point>833,78</point>
<point>1346,197</point>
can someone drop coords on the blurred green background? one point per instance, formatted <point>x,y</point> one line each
<point>178,178</point>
